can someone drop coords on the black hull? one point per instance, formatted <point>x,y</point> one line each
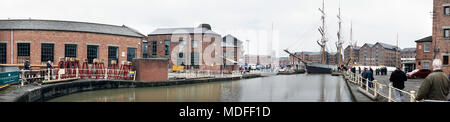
<point>318,70</point>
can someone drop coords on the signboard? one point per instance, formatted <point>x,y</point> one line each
<point>9,77</point>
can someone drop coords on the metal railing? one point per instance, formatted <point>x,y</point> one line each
<point>379,89</point>
<point>195,73</point>
<point>55,75</point>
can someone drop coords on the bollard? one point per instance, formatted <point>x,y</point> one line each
<point>412,96</point>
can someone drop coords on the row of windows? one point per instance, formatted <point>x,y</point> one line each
<point>181,43</point>
<point>47,52</point>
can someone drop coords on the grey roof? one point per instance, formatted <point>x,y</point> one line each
<point>409,50</point>
<point>354,47</point>
<point>387,46</point>
<point>170,31</point>
<point>426,39</point>
<point>71,26</point>
<point>310,53</point>
<point>229,35</point>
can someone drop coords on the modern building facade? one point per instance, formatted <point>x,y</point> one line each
<point>408,59</point>
<point>48,40</point>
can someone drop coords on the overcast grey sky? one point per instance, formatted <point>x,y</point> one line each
<point>296,21</point>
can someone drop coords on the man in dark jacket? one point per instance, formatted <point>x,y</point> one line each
<point>26,65</point>
<point>398,78</point>
<point>436,85</point>
<point>367,77</point>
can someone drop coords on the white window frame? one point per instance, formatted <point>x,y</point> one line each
<point>425,47</point>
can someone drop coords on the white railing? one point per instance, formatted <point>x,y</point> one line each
<point>49,75</point>
<point>378,88</point>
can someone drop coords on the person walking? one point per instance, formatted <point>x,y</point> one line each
<point>398,78</point>
<point>367,77</point>
<point>359,70</point>
<point>26,64</point>
<point>436,85</point>
<point>370,77</point>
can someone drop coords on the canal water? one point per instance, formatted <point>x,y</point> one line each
<point>281,88</point>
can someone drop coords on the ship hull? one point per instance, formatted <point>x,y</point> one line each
<point>319,69</point>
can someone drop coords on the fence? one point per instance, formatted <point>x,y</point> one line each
<point>57,75</point>
<point>379,89</point>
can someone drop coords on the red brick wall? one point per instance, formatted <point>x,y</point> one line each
<point>59,38</point>
<point>205,42</point>
<point>422,56</point>
<point>148,70</point>
<point>440,21</point>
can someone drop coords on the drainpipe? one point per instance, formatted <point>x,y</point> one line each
<point>12,46</point>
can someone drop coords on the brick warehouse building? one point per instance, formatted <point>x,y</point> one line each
<point>232,57</point>
<point>379,54</point>
<point>355,56</point>
<point>441,32</point>
<point>43,40</point>
<point>424,53</point>
<point>187,46</point>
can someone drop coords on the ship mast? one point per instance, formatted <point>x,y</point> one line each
<point>340,41</point>
<point>322,42</point>
<point>351,43</point>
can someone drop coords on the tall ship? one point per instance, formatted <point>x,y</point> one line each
<point>323,67</point>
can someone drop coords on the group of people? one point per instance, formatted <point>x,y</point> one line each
<point>381,71</point>
<point>436,86</point>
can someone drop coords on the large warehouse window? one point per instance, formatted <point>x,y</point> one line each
<point>145,50</point>
<point>154,47</point>
<point>167,47</point>
<point>70,50</point>
<point>195,56</point>
<point>92,53</point>
<point>445,62</point>
<point>446,33</point>
<point>131,53</point>
<point>426,47</point>
<point>113,54</point>
<point>47,51</point>
<point>23,52</point>
<point>2,53</point>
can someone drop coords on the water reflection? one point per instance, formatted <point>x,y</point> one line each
<point>292,88</point>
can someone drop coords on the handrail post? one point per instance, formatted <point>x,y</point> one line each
<point>375,88</point>
<point>412,96</point>
<point>76,74</point>
<point>389,93</point>
<point>106,73</point>
<point>367,85</point>
<point>48,74</point>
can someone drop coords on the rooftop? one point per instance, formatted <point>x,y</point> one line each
<point>387,46</point>
<point>426,39</point>
<point>409,50</point>
<point>71,26</point>
<point>203,29</point>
